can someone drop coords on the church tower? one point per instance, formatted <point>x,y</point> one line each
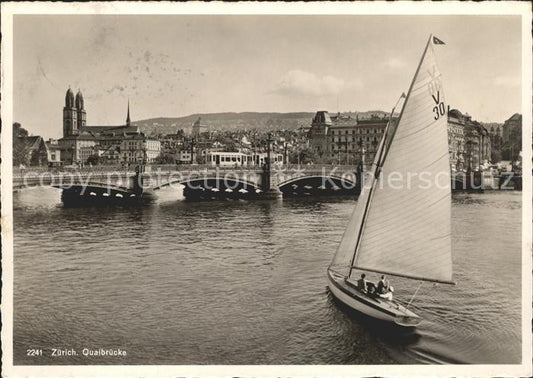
<point>81,115</point>
<point>319,131</point>
<point>197,127</point>
<point>128,120</point>
<point>70,118</point>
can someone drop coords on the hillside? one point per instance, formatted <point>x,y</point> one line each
<point>234,121</point>
<point>227,122</point>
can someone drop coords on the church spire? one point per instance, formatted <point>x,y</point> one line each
<point>128,121</point>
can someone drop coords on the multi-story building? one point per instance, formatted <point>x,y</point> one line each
<point>346,137</point>
<point>512,137</point>
<point>53,152</point>
<point>319,132</point>
<point>185,157</point>
<point>456,139</point>
<point>469,142</point>
<point>77,148</point>
<point>139,149</point>
<point>172,143</point>
<point>495,134</point>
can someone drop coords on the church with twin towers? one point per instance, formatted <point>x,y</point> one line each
<point>122,144</point>
<point>74,114</point>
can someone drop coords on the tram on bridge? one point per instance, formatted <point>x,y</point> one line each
<point>233,159</point>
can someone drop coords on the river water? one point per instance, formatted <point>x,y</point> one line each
<point>236,282</point>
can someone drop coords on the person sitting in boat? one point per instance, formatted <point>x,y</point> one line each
<point>361,283</point>
<point>384,288</point>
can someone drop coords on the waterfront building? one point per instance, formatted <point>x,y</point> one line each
<point>110,155</point>
<point>512,137</point>
<point>53,152</point>
<point>495,134</point>
<point>76,148</point>
<point>33,150</point>
<point>469,142</point>
<point>456,140</point>
<point>139,148</point>
<point>485,153</point>
<point>346,137</point>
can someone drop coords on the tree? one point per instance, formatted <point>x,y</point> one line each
<point>496,156</point>
<point>18,130</point>
<point>93,159</point>
<point>165,159</point>
<point>231,146</point>
<point>20,152</point>
<point>305,156</point>
<point>20,148</point>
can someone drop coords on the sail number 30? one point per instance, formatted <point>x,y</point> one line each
<point>439,109</point>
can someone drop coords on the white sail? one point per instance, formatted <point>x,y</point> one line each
<point>406,229</point>
<point>343,259</point>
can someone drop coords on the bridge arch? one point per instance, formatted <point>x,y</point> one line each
<point>93,185</point>
<point>209,182</point>
<point>215,187</point>
<point>102,195</point>
<point>319,185</point>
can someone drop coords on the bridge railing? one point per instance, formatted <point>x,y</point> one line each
<point>61,170</point>
<point>17,171</point>
<point>159,175</point>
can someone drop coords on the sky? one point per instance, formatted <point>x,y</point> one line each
<point>176,65</point>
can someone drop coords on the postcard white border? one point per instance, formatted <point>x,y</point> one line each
<point>317,8</point>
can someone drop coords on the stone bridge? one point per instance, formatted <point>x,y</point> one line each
<point>203,182</point>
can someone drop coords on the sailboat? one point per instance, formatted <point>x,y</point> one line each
<point>401,225</point>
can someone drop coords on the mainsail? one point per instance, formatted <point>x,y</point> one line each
<point>401,224</point>
<point>344,257</point>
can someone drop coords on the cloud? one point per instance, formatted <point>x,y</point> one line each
<point>302,83</point>
<point>507,81</point>
<point>394,63</point>
<point>116,88</point>
<point>354,84</point>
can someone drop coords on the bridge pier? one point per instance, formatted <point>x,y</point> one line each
<point>143,193</point>
<point>359,174</point>
<point>269,191</point>
<point>138,180</point>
